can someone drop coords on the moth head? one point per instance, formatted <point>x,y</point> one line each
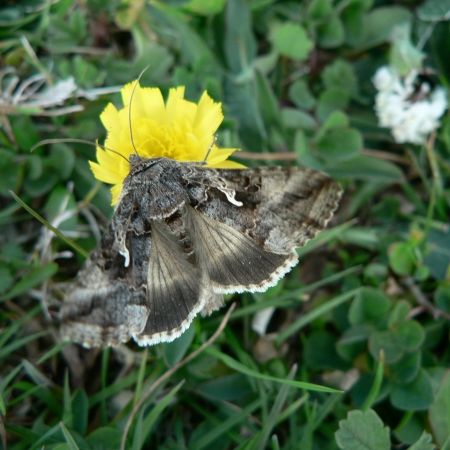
<point>139,165</point>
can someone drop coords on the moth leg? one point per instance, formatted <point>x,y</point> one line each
<point>233,261</point>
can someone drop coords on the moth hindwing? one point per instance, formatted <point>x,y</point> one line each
<point>183,235</point>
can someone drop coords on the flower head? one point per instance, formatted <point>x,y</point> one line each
<point>409,107</point>
<point>176,129</point>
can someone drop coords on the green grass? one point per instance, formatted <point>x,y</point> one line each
<point>357,350</point>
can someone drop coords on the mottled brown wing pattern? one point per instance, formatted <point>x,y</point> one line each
<point>282,207</point>
<point>182,236</point>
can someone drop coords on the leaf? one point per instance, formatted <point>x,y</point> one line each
<point>307,318</point>
<point>380,23</point>
<point>291,40</point>
<point>375,389</point>
<point>238,418</point>
<point>434,10</point>
<point>409,335</point>
<point>366,168</point>
<point>370,306</point>
<point>439,413</point>
<point>353,17</point>
<point>6,278</point>
<point>294,118</point>
<point>340,144</point>
<point>61,159</point>
<point>337,119</point>
<point>363,237</point>
<point>72,445</point>
<point>80,411</point>
<point>34,277</point>
<point>105,438</point>
<point>301,95</point>
<point>407,368</point>
<point>416,395</point>
<point>425,442</point>
<point>340,74</point>
<point>353,341</point>
<point>261,439</point>
<point>240,44</point>
<point>240,86</point>
<point>402,258</point>
<point>228,387</point>
<point>399,313</point>
<point>331,33</point>
<point>193,49</point>
<point>205,7</point>
<point>384,341</point>
<point>242,100</point>
<point>319,9</point>
<point>441,297</point>
<point>411,428</point>
<point>404,57</point>
<point>25,140</point>
<point>130,12</point>
<point>60,201</point>
<point>437,258</point>
<point>145,424</point>
<point>330,100</point>
<point>320,351</point>
<point>10,171</point>
<point>175,351</point>
<point>267,99</point>
<point>363,431</point>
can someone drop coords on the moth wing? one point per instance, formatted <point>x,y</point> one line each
<point>233,261</point>
<point>281,208</point>
<point>297,203</point>
<point>248,225</point>
<point>101,311</point>
<point>151,295</point>
<point>175,293</point>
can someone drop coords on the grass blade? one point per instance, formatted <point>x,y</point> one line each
<point>304,320</point>
<point>235,365</point>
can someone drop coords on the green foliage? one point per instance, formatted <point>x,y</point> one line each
<point>357,352</point>
<point>362,431</point>
<point>292,41</point>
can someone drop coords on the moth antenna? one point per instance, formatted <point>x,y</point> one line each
<point>129,109</point>
<point>209,149</point>
<point>76,141</point>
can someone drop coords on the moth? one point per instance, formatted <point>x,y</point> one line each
<point>182,236</point>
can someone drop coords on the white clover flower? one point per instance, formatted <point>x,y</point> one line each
<point>385,79</point>
<point>409,108</point>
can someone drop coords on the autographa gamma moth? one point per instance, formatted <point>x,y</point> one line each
<point>183,235</point>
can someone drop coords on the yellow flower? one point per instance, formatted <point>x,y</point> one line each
<point>176,129</point>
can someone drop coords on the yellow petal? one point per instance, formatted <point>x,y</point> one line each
<point>219,154</point>
<point>108,159</point>
<point>209,116</point>
<point>153,103</point>
<point>227,165</point>
<point>116,190</point>
<point>127,91</point>
<point>133,100</point>
<point>179,111</point>
<point>103,173</point>
<point>175,94</point>
<point>110,117</point>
